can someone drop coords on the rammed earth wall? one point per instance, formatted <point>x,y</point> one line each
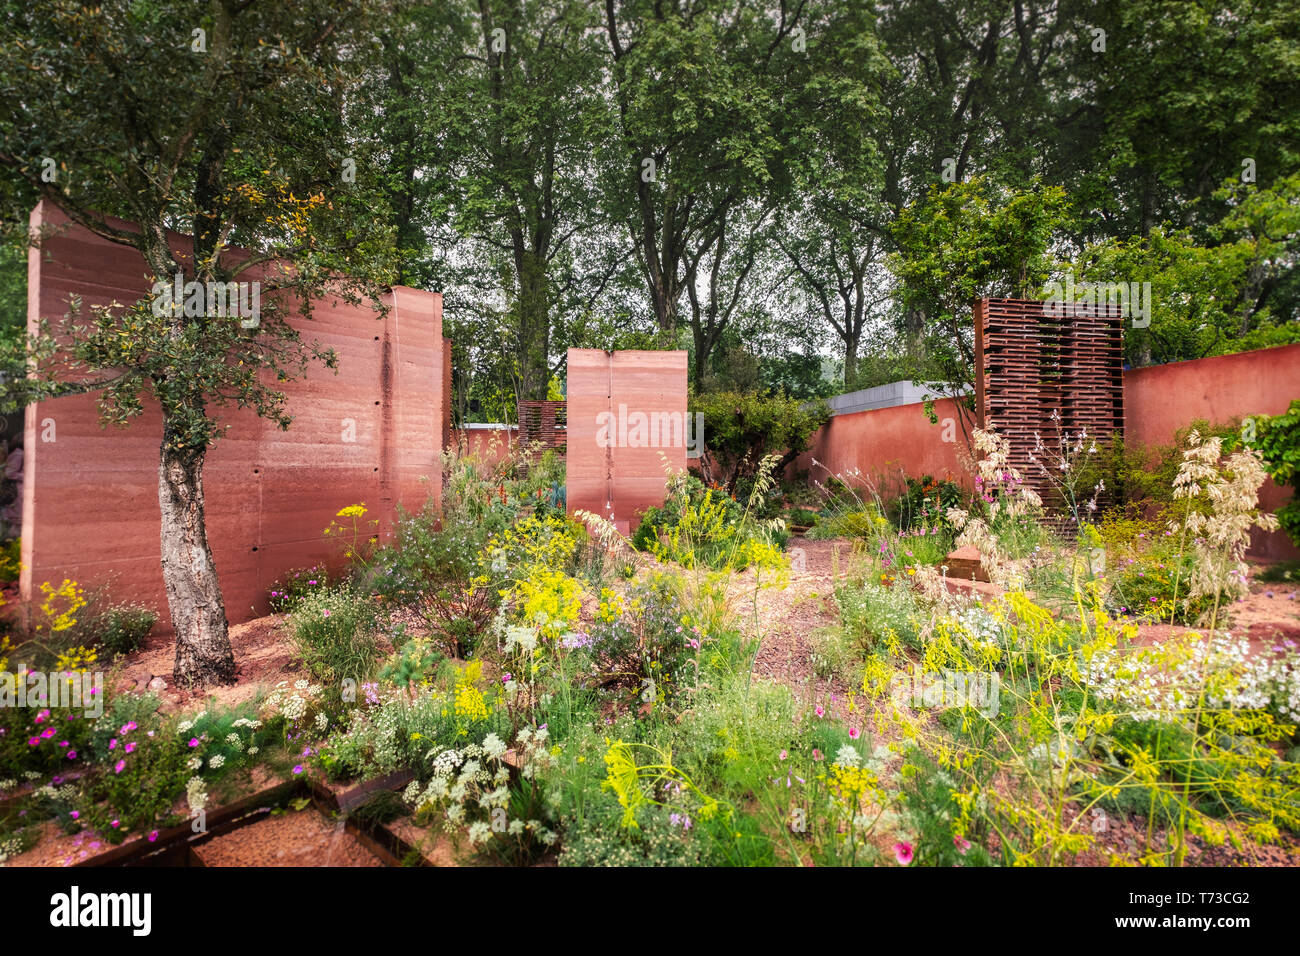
<point>1158,401</point>
<point>371,434</point>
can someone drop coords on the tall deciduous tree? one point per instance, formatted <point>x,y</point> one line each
<point>965,242</point>
<point>499,102</point>
<point>221,120</point>
<point>717,109</point>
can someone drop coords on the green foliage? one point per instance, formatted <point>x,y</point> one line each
<point>51,729</point>
<point>874,610</point>
<point>11,554</point>
<point>334,632</point>
<point>966,241</point>
<point>702,526</point>
<point>1277,439</point>
<point>1139,478</point>
<point>741,429</point>
<point>122,628</point>
<point>1152,581</point>
<point>925,503</point>
<point>135,790</point>
<point>287,593</point>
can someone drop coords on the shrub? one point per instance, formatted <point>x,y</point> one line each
<point>459,613</point>
<point>423,555</point>
<point>641,644</point>
<point>43,740</point>
<point>289,592</point>
<point>1154,583</point>
<point>746,432</point>
<point>1277,439</point>
<point>703,526</point>
<point>856,520</point>
<point>143,775</point>
<point>11,552</point>
<point>122,628</point>
<point>334,633</point>
<point>925,503</point>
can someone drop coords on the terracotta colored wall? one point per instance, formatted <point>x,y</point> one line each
<point>1157,402</point>
<point>1164,398</point>
<point>621,481</point>
<point>91,508</point>
<point>878,443</point>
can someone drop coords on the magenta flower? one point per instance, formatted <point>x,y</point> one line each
<point>74,814</point>
<point>903,853</point>
<point>130,747</point>
<point>854,733</point>
<point>112,744</point>
<point>297,769</point>
<point>153,835</point>
<point>33,741</point>
<point>194,741</point>
<point>819,710</point>
<point>119,766</point>
<point>72,755</point>
<point>961,843</point>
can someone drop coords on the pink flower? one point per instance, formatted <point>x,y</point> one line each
<point>33,741</point>
<point>817,754</point>
<point>115,824</point>
<point>297,769</point>
<point>112,744</point>
<point>74,814</point>
<point>153,835</point>
<point>72,755</point>
<point>819,710</point>
<point>130,747</point>
<point>784,755</point>
<point>325,613</point>
<point>119,766</point>
<point>961,843</point>
<point>854,733</point>
<point>194,741</point>
<point>903,853</point>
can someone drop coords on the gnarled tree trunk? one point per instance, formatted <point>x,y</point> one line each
<point>203,654</point>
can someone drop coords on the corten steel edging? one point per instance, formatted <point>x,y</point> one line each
<point>180,840</point>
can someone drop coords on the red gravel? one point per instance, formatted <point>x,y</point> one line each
<point>301,838</point>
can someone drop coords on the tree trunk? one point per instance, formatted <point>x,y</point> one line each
<point>850,359</point>
<point>534,327</point>
<point>198,612</point>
